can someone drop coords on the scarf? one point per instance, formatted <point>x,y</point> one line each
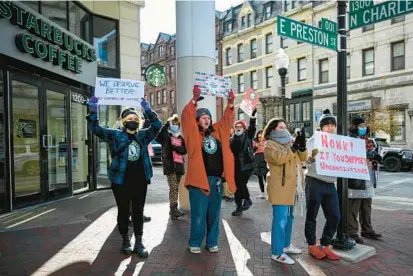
<point>282,137</point>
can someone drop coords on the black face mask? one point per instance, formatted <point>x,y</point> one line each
<point>131,125</point>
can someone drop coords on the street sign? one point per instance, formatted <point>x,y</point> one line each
<point>328,26</point>
<point>360,17</point>
<point>306,33</point>
<point>358,5</point>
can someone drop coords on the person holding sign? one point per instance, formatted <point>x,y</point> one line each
<point>321,191</point>
<point>209,158</point>
<point>243,151</point>
<point>130,170</point>
<point>173,149</point>
<point>283,156</point>
<point>361,192</point>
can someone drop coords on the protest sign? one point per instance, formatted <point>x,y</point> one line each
<point>119,91</point>
<point>249,102</point>
<point>176,141</point>
<point>213,85</point>
<point>341,156</point>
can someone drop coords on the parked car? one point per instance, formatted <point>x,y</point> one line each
<point>393,159</point>
<point>157,152</point>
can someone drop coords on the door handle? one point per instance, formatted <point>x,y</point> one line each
<point>49,141</point>
<point>44,138</point>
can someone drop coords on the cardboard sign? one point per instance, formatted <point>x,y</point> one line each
<point>119,91</point>
<point>341,156</point>
<point>213,85</point>
<point>249,102</point>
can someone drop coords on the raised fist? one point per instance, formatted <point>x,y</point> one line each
<point>93,104</point>
<point>196,91</point>
<point>145,105</point>
<point>231,97</point>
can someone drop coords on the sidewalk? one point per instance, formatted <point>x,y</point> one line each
<point>78,236</point>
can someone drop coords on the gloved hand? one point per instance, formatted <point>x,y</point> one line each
<point>93,104</point>
<point>314,153</point>
<point>196,91</point>
<point>300,139</point>
<point>145,105</point>
<point>231,97</point>
<point>254,112</point>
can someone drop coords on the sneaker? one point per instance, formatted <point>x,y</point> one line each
<point>213,249</point>
<point>316,252</point>
<point>195,250</point>
<point>247,204</point>
<point>371,235</point>
<point>330,254</point>
<point>283,258</point>
<point>262,196</point>
<point>292,250</point>
<point>357,239</point>
<point>237,212</point>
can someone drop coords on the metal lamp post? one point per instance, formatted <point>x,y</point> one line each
<point>282,61</point>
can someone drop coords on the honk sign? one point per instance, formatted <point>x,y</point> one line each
<point>341,156</point>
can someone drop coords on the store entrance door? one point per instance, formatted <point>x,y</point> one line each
<point>40,140</point>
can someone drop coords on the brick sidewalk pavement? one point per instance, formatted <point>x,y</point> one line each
<point>91,247</point>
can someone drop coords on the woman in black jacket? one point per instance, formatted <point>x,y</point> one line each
<point>173,149</point>
<point>260,169</point>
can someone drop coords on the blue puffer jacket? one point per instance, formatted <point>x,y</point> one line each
<point>118,141</point>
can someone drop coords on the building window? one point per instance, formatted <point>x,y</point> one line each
<point>399,122</point>
<point>323,71</point>
<point>172,50</point>
<point>282,42</point>
<point>306,111</point>
<point>253,48</point>
<point>151,57</point>
<point>254,84</point>
<point>397,56</point>
<point>163,96</point>
<point>152,101</point>
<point>171,72</point>
<point>297,112</point>
<point>302,69</point>
<point>243,22</point>
<point>348,66</point>
<point>161,51</point>
<point>368,28</point>
<point>240,83</point>
<point>249,20</point>
<point>105,41</point>
<point>398,19</point>
<point>228,56</point>
<point>368,62</point>
<point>240,52</point>
<point>268,11</point>
<point>142,59</point>
<point>172,96</point>
<point>268,77</point>
<point>216,56</point>
<point>228,26</point>
<point>289,5</point>
<point>79,22</point>
<point>241,114</point>
<point>56,11</point>
<point>158,97</point>
<point>268,43</point>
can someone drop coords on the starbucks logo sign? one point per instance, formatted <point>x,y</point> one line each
<point>155,75</point>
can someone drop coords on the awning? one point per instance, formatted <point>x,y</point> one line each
<point>302,93</point>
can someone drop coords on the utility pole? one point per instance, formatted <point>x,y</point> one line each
<point>341,241</point>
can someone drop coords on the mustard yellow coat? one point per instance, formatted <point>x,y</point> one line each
<point>282,175</point>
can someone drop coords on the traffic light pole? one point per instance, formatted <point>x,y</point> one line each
<point>342,241</point>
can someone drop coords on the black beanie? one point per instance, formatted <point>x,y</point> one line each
<point>357,120</point>
<point>327,118</point>
<point>128,111</point>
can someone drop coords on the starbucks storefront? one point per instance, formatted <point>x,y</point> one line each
<point>46,77</point>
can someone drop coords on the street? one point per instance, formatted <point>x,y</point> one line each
<point>78,236</point>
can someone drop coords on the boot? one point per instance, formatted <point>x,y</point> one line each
<point>146,219</point>
<point>174,212</point>
<point>247,204</point>
<point>126,245</point>
<point>139,248</point>
<point>237,212</point>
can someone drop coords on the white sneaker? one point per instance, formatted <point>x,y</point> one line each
<point>195,250</point>
<point>213,249</point>
<point>262,196</point>
<point>283,258</point>
<point>292,250</point>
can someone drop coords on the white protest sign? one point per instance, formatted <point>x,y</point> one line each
<point>341,156</point>
<point>213,85</point>
<point>119,91</point>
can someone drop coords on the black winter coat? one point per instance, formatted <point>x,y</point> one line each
<point>169,166</point>
<point>242,149</point>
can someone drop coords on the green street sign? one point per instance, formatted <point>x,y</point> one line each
<point>155,75</point>
<point>305,33</point>
<point>358,5</point>
<point>377,13</point>
<point>328,26</point>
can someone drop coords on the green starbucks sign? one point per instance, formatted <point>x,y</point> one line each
<point>46,41</point>
<point>155,75</point>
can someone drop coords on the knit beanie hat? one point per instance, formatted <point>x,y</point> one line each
<point>203,111</point>
<point>357,120</point>
<point>327,118</point>
<point>241,122</point>
<point>128,111</point>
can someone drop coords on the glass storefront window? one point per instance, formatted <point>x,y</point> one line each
<point>34,5</point>
<point>306,111</point>
<point>79,22</point>
<point>56,11</point>
<point>3,197</point>
<point>105,41</point>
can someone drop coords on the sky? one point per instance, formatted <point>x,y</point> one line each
<point>159,16</point>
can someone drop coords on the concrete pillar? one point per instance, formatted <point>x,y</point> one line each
<point>195,52</point>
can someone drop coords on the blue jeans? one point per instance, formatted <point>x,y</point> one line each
<point>282,227</point>
<point>205,213</point>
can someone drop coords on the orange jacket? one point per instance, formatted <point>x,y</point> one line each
<point>196,175</point>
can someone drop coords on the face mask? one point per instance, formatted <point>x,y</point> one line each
<point>362,131</point>
<point>174,128</point>
<point>131,125</point>
<point>238,132</point>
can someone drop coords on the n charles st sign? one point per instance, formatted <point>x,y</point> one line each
<point>45,44</point>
